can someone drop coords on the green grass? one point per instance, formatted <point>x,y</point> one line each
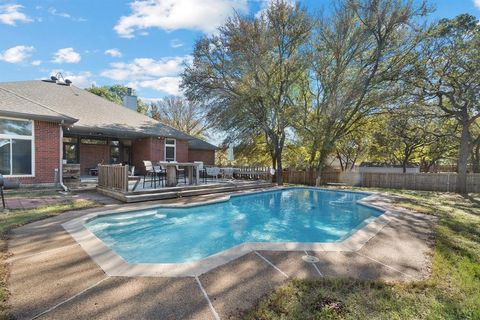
<point>452,291</point>
<point>16,218</point>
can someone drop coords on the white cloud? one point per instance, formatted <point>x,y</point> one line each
<point>80,79</point>
<point>170,85</point>
<point>10,14</point>
<point>161,75</point>
<point>175,43</point>
<point>36,62</point>
<point>65,15</point>
<point>205,15</point>
<point>66,55</point>
<point>476,3</point>
<point>16,54</point>
<point>113,53</point>
<point>146,68</point>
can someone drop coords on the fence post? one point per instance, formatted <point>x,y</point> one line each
<point>448,182</point>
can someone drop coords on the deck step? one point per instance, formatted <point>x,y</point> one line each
<point>189,192</point>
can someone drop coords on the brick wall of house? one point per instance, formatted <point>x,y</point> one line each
<point>140,151</point>
<point>157,149</point>
<point>207,156</point>
<point>153,149</point>
<point>93,154</point>
<point>182,150</point>
<point>47,153</point>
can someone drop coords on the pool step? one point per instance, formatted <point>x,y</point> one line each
<point>171,193</point>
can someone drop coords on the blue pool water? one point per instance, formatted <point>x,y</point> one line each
<point>175,235</point>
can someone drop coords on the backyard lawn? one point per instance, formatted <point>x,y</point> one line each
<point>15,218</point>
<point>452,291</point>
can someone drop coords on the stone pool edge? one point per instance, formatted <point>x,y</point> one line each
<point>114,265</point>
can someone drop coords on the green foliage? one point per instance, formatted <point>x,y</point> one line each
<point>115,94</point>
<point>105,92</point>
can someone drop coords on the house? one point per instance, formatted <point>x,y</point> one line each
<point>45,123</point>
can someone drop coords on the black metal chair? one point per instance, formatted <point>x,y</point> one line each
<point>180,172</point>
<point>161,174</point>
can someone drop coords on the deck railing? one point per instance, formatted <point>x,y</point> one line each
<point>113,177</point>
<point>249,172</point>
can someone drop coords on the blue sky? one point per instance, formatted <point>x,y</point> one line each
<point>140,43</point>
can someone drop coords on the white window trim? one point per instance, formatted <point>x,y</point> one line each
<point>18,137</point>
<point>174,145</point>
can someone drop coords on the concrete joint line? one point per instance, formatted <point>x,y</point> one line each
<point>314,265</point>
<point>385,265</point>
<point>214,312</point>
<point>69,299</point>
<point>12,259</point>
<point>270,263</point>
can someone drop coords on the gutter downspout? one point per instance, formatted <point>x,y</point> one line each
<point>60,170</point>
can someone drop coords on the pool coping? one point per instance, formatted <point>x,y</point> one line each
<point>114,265</point>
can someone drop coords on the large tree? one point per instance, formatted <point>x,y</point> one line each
<point>248,74</point>
<point>181,114</point>
<point>362,50</point>
<point>449,79</point>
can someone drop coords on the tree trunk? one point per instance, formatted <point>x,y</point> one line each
<point>321,163</point>
<point>279,168</point>
<point>462,161</point>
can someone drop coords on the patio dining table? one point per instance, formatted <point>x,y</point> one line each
<point>172,171</point>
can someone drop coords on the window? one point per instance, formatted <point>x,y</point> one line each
<point>16,147</point>
<point>114,151</point>
<point>170,149</point>
<point>70,149</point>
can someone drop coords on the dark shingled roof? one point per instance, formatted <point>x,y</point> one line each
<point>13,105</point>
<point>199,144</point>
<point>43,100</point>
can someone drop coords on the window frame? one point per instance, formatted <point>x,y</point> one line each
<point>75,143</point>
<point>20,137</point>
<point>174,145</point>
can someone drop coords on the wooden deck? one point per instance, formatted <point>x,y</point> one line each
<point>183,191</point>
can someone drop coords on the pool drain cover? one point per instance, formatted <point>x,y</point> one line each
<point>310,259</point>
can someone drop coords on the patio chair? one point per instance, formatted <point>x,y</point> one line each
<point>213,172</point>
<point>180,172</point>
<point>161,173</point>
<point>228,173</point>
<point>149,172</point>
<point>201,169</point>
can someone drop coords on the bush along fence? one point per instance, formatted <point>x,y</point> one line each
<point>444,182</point>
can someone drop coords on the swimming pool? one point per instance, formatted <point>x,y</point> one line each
<point>178,235</point>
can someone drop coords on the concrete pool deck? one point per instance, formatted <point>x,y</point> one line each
<point>52,277</point>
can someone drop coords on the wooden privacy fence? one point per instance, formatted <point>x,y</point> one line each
<point>113,177</point>
<point>444,182</point>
